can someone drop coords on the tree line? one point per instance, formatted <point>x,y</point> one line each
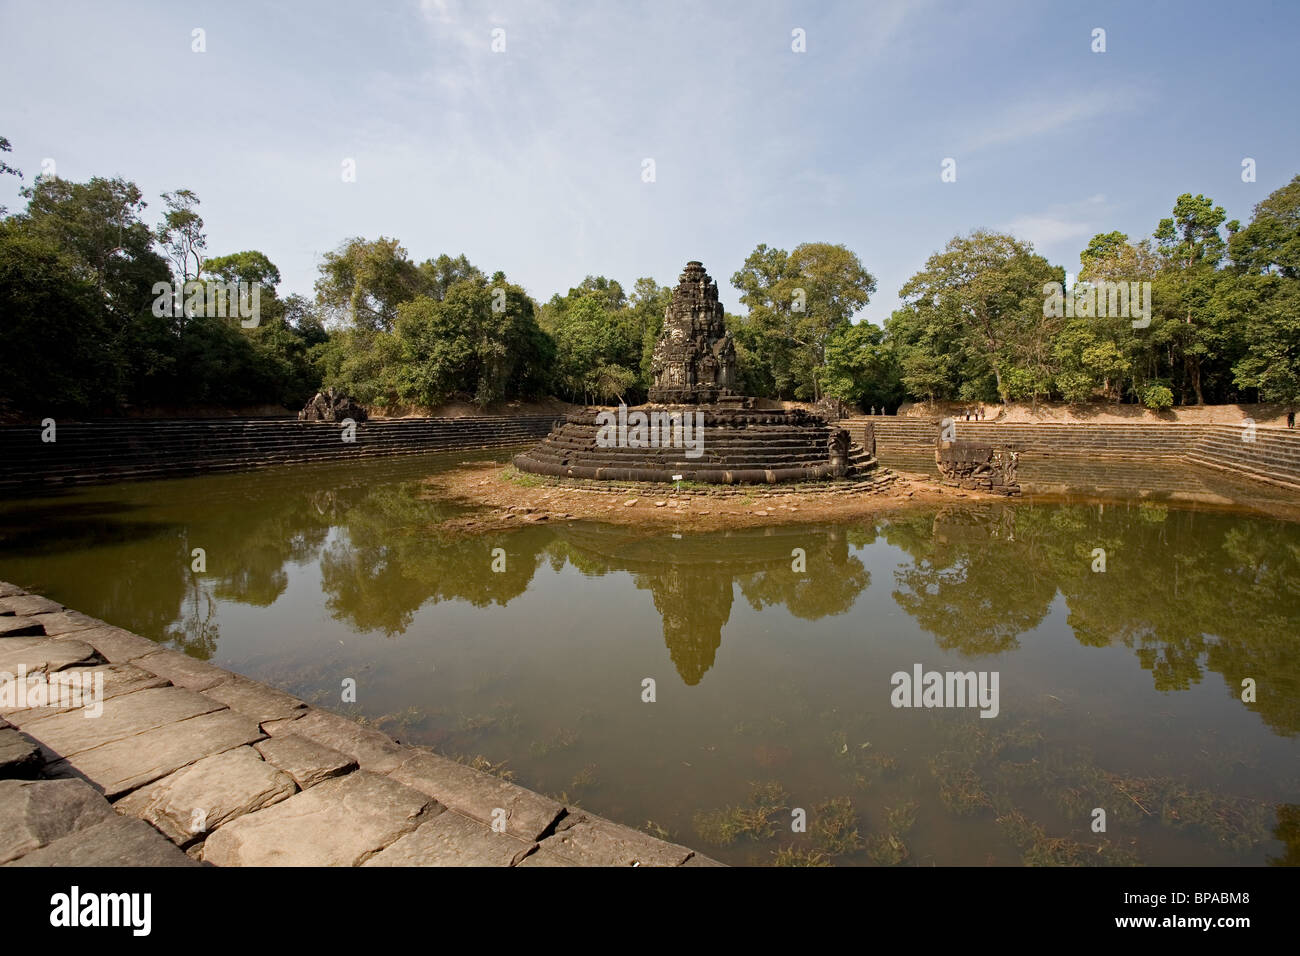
<point>83,332</point>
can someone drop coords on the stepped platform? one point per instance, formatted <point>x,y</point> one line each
<point>119,450</point>
<point>1266,454</point>
<point>698,443</point>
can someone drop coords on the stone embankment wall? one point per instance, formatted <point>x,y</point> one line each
<point>85,452</point>
<point>179,762</point>
<point>1273,456</point>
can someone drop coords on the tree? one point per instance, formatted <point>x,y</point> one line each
<point>439,275</point>
<point>6,169</point>
<point>245,268</point>
<point>1264,299</point>
<point>797,302</point>
<point>983,297</point>
<point>363,283</point>
<point>181,233</point>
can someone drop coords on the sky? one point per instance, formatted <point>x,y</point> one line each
<point>531,158</point>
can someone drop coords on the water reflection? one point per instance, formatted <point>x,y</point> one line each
<point>1191,593</point>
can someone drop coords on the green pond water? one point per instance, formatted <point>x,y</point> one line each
<point>1120,690</point>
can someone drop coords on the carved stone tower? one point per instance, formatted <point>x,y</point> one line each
<point>695,357</point>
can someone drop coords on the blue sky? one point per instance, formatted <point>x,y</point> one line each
<point>530,160</point>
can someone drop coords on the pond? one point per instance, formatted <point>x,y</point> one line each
<point>1146,655</point>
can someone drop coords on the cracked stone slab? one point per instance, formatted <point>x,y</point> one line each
<point>450,839</point>
<point>19,757</point>
<point>16,626</point>
<point>589,840</point>
<point>69,733</point>
<point>116,645</point>
<point>118,679</point>
<point>118,767</point>
<point>10,590</point>
<point>28,604</point>
<point>42,654</point>
<point>256,700</point>
<point>182,670</point>
<point>336,823</point>
<point>196,800</point>
<point>66,622</point>
<point>306,761</point>
<point>478,795</point>
<point>34,813</point>
<point>121,841</point>
<point>371,749</point>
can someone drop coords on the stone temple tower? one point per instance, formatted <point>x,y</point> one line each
<point>695,357</point>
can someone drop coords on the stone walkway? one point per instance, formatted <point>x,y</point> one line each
<point>188,763</point>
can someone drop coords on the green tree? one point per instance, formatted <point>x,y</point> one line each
<point>798,301</point>
<point>363,282</point>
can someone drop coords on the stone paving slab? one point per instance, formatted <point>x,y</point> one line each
<point>118,767</point>
<point>116,645</point>
<point>182,670</point>
<point>589,840</point>
<point>9,590</point>
<point>42,654</point>
<point>256,700</point>
<point>28,604</point>
<point>118,679</point>
<point>370,748</point>
<point>220,788</point>
<point>66,622</point>
<point>34,813</point>
<point>450,839</point>
<point>17,626</point>
<point>121,841</point>
<point>19,756</point>
<point>479,795</point>
<point>130,715</point>
<point>336,823</point>
<point>306,761</point>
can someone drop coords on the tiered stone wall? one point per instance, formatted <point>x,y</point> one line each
<point>1273,456</point>
<point>85,452</point>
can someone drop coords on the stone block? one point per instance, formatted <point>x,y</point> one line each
<point>34,813</point>
<point>182,670</point>
<point>42,654</point>
<point>194,801</point>
<point>118,767</point>
<point>118,679</point>
<point>116,645</point>
<point>306,761</point>
<point>371,749</point>
<point>336,823</point>
<point>589,840</point>
<point>121,841</point>
<point>19,756</point>
<point>70,733</point>
<point>450,839</point>
<point>255,700</point>
<point>478,795</point>
<point>28,604</point>
<point>12,625</point>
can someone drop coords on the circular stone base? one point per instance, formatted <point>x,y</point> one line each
<point>707,444</point>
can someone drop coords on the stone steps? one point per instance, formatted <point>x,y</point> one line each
<point>115,450</point>
<point>1273,456</point>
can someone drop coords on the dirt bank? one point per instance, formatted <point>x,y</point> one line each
<point>507,498</point>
